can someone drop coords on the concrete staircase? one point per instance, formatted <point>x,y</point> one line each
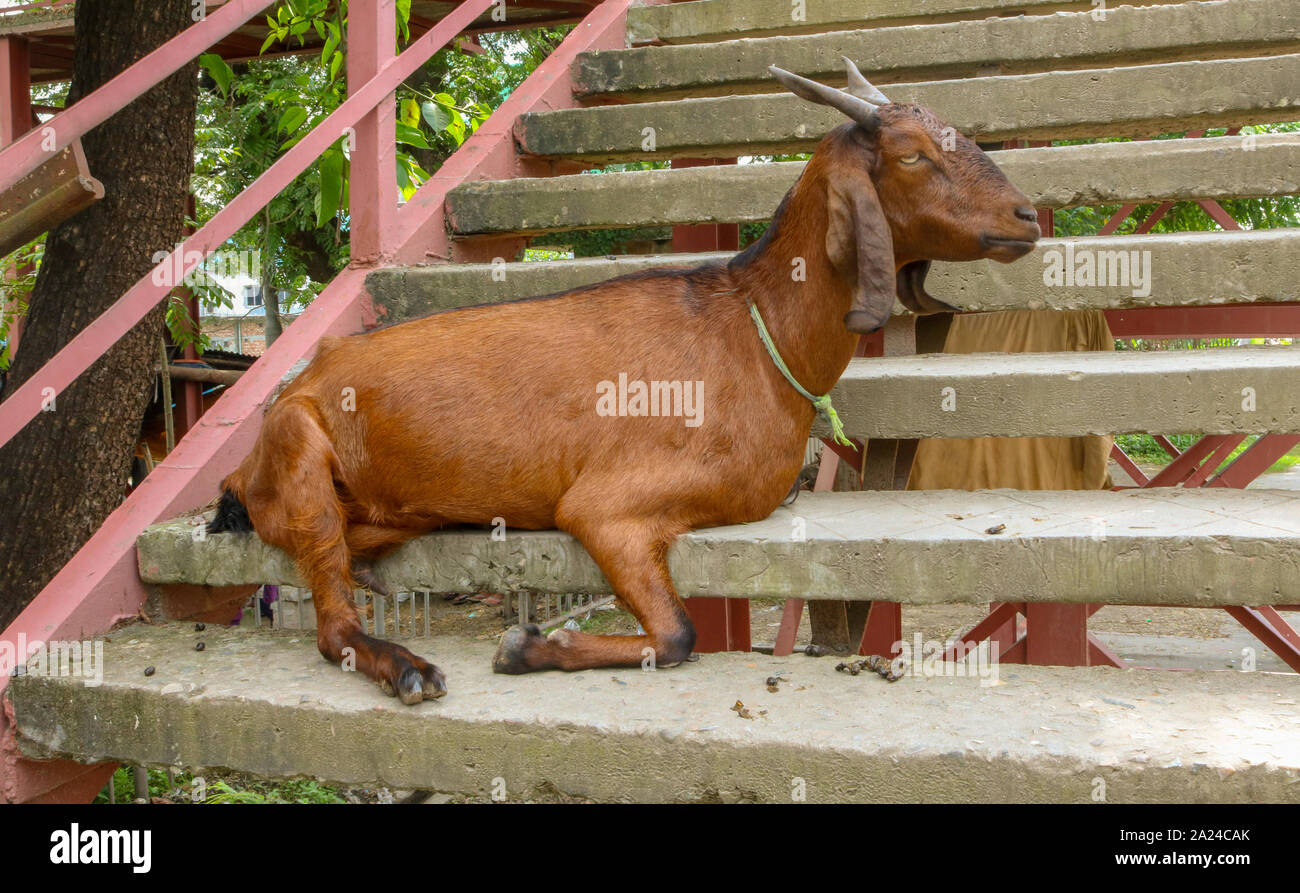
<point>999,70</point>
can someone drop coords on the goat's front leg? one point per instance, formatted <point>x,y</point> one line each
<point>633,557</point>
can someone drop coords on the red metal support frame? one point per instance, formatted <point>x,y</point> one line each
<point>374,162</point>
<point>15,120</point>
<point>15,88</point>
<point>101,586</point>
<point>27,154</point>
<point>82,350</point>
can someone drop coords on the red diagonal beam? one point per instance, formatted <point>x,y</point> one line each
<point>1004,613</point>
<point>1280,644</point>
<point>1181,468</point>
<point>1256,459</point>
<point>1130,467</point>
<point>1217,458</point>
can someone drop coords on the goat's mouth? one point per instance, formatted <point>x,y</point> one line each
<point>1005,249</point>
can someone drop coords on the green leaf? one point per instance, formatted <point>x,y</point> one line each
<point>292,119</point>
<point>334,66</point>
<point>331,185</point>
<point>220,71</point>
<point>403,19</point>
<point>331,44</point>
<point>411,136</point>
<point>410,113</point>
<point>437,116</point>
<point>457,130</point>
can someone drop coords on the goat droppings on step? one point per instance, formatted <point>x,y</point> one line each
<point>636,398</point>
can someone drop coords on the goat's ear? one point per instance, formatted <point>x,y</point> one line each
<point>911,290</point>
<point>861,249</point>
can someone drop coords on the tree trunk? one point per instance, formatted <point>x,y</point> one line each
<point>67,470</point>
<point>270,300</point>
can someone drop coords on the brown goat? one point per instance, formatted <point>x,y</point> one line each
<point>494,411</point>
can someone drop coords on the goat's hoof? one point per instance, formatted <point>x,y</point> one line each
<point>414,685</point>
<point>416,679</point>
<point>512,657</point>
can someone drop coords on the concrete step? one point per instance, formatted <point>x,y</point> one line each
<point>1019,45</point>
<point>1139,101</point>
<point>1212,546</point>
<point>706,21</point>
<point>1052,177</point>
<point>1227,391</point>
<point>1185,269</point>
<point>266,704</point>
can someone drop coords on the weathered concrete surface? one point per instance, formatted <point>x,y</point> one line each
<point>1015,45</point>
<point>1069,394</point>
<point>715,20</point>
<point>1186,269</point>
<point>1148,547</point>
<point>267,704</point>
<point>402,293</point>
<point>1101,173</point>
<point>1134,101</point>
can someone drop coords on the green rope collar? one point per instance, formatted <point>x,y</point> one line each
<point>822,404</point>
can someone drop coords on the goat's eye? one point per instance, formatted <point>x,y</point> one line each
<point>910,159</point>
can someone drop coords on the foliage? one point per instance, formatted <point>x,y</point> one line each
<point>1142,448</point>
<point>225,788</point>
<point>1259,213</point>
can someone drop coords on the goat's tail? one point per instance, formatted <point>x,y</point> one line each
<point>231,515</point>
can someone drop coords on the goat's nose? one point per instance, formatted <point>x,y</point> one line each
<point>1027,214</point>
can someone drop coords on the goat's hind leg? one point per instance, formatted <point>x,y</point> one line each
<point>306,519</point>
<point>633,556</point>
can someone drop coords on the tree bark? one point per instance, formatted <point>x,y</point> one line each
<point>67,470</point>
<point>270,299</point>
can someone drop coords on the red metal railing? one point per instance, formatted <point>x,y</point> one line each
<point>100,586</point>
<point>372,163</point>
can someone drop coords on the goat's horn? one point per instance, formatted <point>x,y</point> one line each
<point>860,87</point>
<point>856,108</point>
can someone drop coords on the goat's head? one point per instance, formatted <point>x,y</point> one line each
<point>905,190</point>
